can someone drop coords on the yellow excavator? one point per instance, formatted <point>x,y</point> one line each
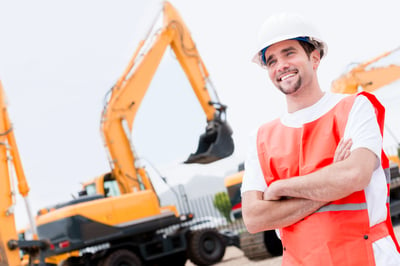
<point>11,171</point>
<point>118,219</point>
<point>372,76</point>
<point>369,76</point>
<point>127,94</point>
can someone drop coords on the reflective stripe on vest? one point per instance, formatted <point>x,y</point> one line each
<point>337,233</point>
<point>343,207</point>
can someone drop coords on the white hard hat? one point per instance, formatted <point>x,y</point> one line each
<point>287,26</point>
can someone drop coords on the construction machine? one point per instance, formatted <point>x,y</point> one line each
<point>256,246</point>
<point>117,218</point>
<point>11,171</point>
<point>372,76</point>
<point>369,76</point>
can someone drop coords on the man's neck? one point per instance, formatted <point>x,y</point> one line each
<point>303,99</point>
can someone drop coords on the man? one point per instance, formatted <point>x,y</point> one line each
<point>318,173</point>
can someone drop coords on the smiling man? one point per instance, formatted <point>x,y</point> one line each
<point>318,173</point>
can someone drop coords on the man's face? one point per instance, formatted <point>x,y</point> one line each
<point>288,65</point>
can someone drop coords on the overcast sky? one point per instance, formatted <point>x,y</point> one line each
<point>58,59</point>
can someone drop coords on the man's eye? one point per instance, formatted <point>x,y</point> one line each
<point>271,62</point>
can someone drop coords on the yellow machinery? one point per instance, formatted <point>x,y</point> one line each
<point>10,167</point>
<point>366,77</point>
<point>372,76</point>
<point>129,91</point>
<point>369,76</point>
<point>118,216</point>
<point>7,220</point>
<point>257,246</point>
<point>126,96</point>
<point>233,184</point>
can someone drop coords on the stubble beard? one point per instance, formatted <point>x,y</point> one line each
<point>292,88</point>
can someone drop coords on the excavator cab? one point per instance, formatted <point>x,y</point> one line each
<point>215,144</point>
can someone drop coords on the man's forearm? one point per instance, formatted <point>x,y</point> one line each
<point>333,182</point>
<point>260,215</point>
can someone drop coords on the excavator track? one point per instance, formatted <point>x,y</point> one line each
<point>253,246</point>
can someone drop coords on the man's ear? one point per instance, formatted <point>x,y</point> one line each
<point>315,57</point>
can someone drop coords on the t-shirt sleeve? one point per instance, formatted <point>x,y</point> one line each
<point>253,178</point>
<point>362,126</point>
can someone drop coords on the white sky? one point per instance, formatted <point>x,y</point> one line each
<point>59,58</point>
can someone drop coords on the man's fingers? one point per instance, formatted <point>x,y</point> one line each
<point>342,150</point>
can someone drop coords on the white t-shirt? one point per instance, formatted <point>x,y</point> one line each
<point>363,129</point>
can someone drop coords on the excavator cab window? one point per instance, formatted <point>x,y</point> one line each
<point>111,188</point>
<point>90,189</point>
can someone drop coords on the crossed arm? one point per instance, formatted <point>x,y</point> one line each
<point>285,202</point>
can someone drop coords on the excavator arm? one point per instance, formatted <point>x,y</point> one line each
<point>10,165</point>
<point>127,94</point>
<point>367,78</point>
<point>7,220</point>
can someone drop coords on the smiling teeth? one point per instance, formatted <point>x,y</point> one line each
<point>287,76</point>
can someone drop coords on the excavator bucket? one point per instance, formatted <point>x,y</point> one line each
<point>215,144</point>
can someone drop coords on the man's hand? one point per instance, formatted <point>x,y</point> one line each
<point>342,150</point>
<point>269,193</point>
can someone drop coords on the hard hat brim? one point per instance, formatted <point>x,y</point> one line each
<point>257,58</point>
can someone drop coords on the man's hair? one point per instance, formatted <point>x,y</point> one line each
<point>309,48</point>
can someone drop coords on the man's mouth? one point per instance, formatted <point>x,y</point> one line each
<point>287,75</point>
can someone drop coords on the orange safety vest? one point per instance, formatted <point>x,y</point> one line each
<point>338,233</point>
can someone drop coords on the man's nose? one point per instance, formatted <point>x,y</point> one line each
<point>282,65</point>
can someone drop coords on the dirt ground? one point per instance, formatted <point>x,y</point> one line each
<point>234,256</point>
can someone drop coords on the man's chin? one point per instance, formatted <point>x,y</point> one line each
<point>288,91</point>
<point>291,88</point>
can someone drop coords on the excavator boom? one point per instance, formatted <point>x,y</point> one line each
<point>7,220</point>
<point>368,78</point>
<point>10,165</point>
<point>127,94</point>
